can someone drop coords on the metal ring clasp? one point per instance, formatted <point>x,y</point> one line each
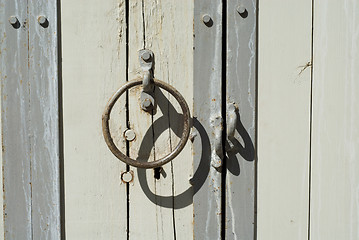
<point>138,163</point>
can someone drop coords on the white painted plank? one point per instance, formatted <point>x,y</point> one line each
<point>241,91</point>
<point>284,118</point>
<point>94,67</point>
<point>143,221</point>
<point>167,30</point>
<point>335,137</point>
<point>169,33</point>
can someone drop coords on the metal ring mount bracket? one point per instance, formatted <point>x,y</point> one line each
<point>144,163</point>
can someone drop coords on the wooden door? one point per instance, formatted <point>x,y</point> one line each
<point>61,61</point>
<point>194,196</point>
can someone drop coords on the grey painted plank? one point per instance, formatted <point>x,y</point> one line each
<point>207,105</point>
<point>30,122</point>
<point>15,121</point>
<point>241,90</point>
<point>44,120</point>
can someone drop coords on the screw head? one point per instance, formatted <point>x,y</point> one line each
<point>42,20</point>
<point>206,18</point>
<point>13,20</point>
<point>129,135</point>
<point>147,103</point>
<point>241,10</point>
<point>146,56</point>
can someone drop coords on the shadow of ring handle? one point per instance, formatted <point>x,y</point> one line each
<point>142,163</point>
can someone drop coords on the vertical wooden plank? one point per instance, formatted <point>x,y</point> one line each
<point>335,167</point>
<point>207,100</point>
<point>2,48</point>
<point>143,219</point>
<point>165,27</point>
<point>2,78</point>
<point>1,173</point>
<point>284,87</point>
<point>94,67</point>
<point>241,91</point>
<point>169,33</point>
<point>29,92</point>
<point>44,120</point>
<point>15,109</point>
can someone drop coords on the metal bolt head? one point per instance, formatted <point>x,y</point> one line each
<point>146,56</point>
<point>127,177</point>
<point>13,20</point>
<point>129,135</point>
<point>42,20</point>
<point>206,18</point>
<point>147,103</point>
<point>241,10</point>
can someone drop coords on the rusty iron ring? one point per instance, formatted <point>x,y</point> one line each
<point>138,163</point>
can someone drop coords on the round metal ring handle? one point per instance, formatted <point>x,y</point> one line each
<point>139,163</point>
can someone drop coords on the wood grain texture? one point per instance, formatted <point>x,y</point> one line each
<point>144,220</point>
<point>30,132</point>
<point>241,91</point>
<point>44,120</point>
<point>2,78</point>
<point>165,27</point>
<point>335,137</point>
<point>15,119</point>
<point>93,63</point>
<point>284,87</point>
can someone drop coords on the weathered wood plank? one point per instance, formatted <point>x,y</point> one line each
<point>44,120</point>
<point>2,78</point>
<point>165,27</point>
<point>241,91</point>
<point>169,33</point>
<point>143,220</point>
<point>207,111</point>
<point>1,180</point>
<point>284,88</point>
<point>16,133</point>
<point>94,67</point>
<point>30,106</point>
<point>335,166</point>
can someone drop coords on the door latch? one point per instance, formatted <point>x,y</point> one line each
<point>231,120</point>
<point>217,152</point>
<point>147,98</point>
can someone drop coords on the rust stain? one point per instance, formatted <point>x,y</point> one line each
<point>132,177</point>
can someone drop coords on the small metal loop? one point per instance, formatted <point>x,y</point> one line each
<point>147,83</point>
<point>217,152</point>
<point>143,163</point>
<point>231,120</point>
